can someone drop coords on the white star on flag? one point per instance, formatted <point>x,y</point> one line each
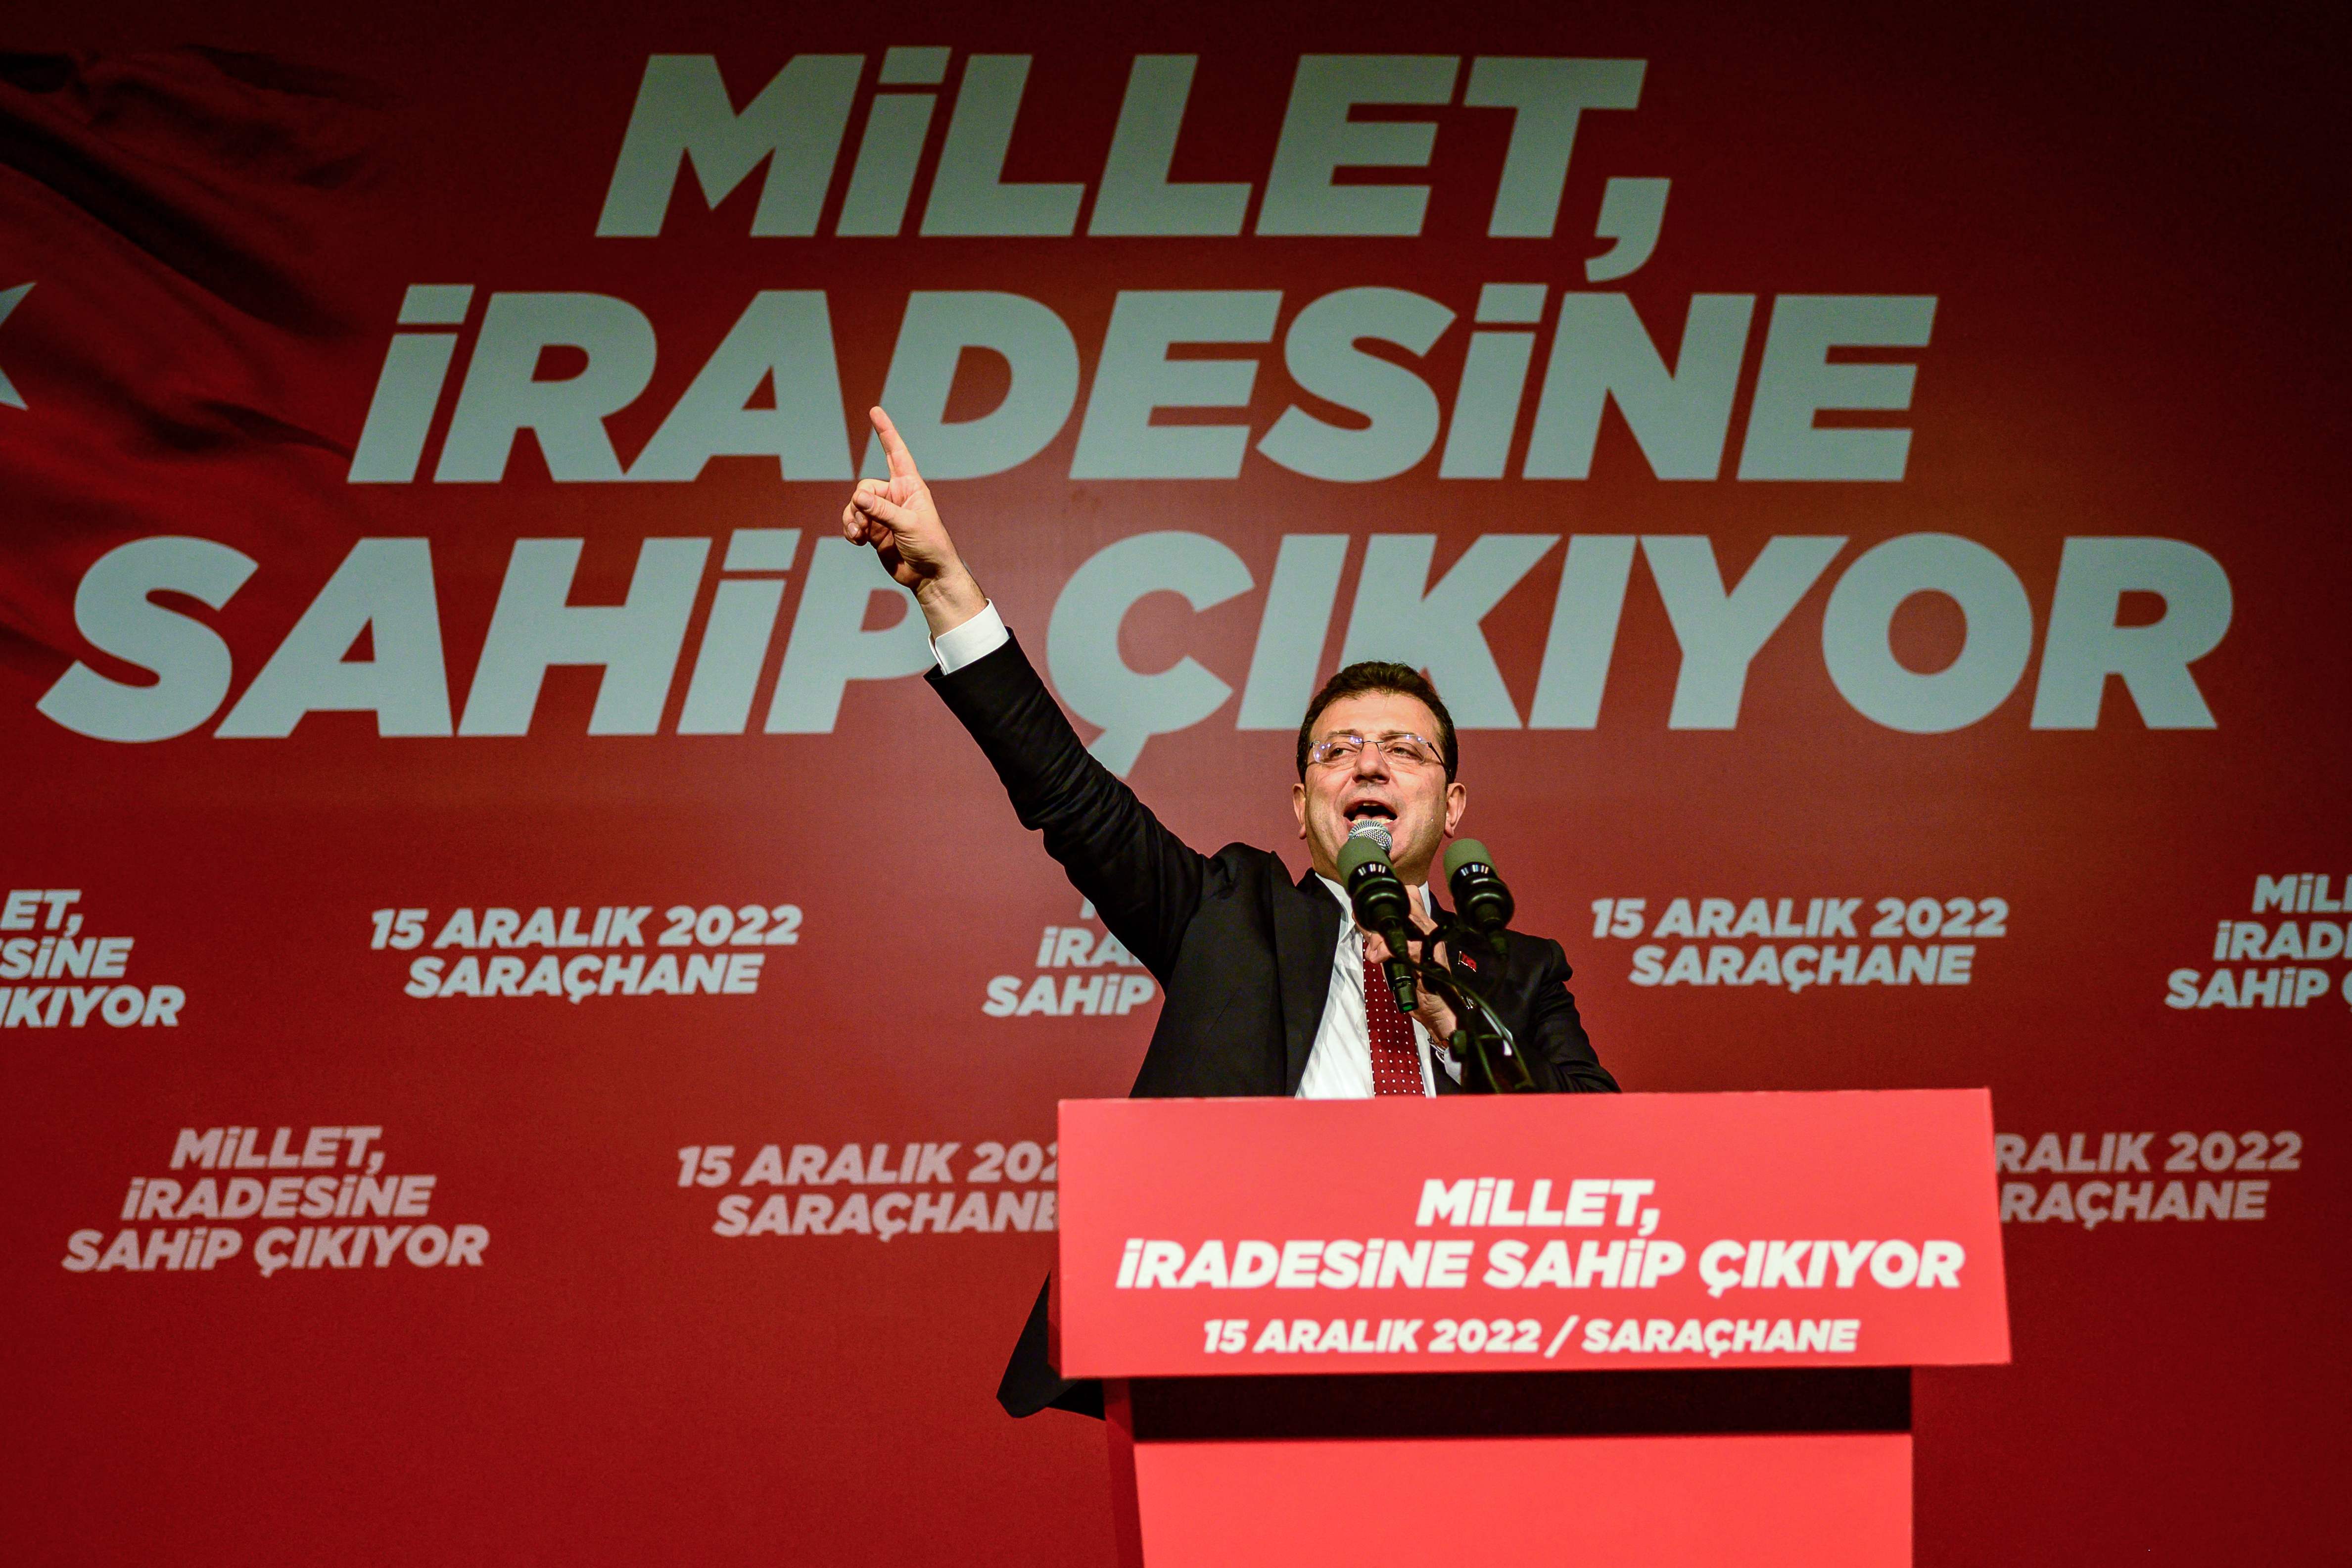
<point>8,299</point>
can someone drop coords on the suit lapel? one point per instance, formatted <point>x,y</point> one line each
<point>1306,934</point>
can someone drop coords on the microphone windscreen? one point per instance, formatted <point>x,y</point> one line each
<point>1363,848</point>
<point>1465,851</point>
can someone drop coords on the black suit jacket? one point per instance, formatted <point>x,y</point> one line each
<point>1242,951</point>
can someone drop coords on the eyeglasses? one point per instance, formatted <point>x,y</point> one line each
<point>1409,750</point>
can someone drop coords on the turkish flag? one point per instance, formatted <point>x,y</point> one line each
<point>175,321</point>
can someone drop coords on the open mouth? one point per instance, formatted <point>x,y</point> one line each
<point>1369,811</point>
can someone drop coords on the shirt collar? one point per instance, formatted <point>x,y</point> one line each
<point>1340,893</point>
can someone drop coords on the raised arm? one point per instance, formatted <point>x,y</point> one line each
<point>1145,881</point>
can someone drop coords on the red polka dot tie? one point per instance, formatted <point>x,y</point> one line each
<point>1396,1060</point>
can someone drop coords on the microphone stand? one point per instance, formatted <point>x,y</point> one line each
<point>1481,1041</point>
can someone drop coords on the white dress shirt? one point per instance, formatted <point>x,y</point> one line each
<point>971,642</point>
<point>1339,1067</point>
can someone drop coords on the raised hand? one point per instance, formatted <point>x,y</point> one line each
<point>896,517</point>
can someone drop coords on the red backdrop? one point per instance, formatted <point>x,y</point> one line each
<point>258,729</point>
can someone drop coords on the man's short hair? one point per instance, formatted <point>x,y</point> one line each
<point>1378,675</point>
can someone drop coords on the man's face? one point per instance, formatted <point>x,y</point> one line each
<point>1419,806</point>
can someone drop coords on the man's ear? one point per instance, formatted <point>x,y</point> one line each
<point>1298,806</point>
<point>1457,801</point>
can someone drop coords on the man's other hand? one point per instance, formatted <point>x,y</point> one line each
<point>1433,1015</point>
<point>897,518</point>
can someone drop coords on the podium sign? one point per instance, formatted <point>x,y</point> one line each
<point>1325,1327</point>
<point>1553,1233</point>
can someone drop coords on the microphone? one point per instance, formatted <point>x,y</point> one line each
<point>1377,896</point>
<point>1479,896</point>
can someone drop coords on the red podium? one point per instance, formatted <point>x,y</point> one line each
<point>1559,1330</point>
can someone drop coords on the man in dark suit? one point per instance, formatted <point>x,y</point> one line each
<point>1263,974</point>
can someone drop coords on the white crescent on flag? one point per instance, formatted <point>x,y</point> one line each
<point>8,300</point>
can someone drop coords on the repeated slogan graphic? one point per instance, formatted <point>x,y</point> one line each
<point>37,967</point>
<point>497,933</point>
<point>362,1190</point>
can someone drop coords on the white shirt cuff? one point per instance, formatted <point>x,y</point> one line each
<point>971,642</point>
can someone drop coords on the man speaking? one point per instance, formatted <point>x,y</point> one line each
<point>1264,976</point>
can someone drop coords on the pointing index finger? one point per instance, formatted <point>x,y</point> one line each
<point>902,461</point>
